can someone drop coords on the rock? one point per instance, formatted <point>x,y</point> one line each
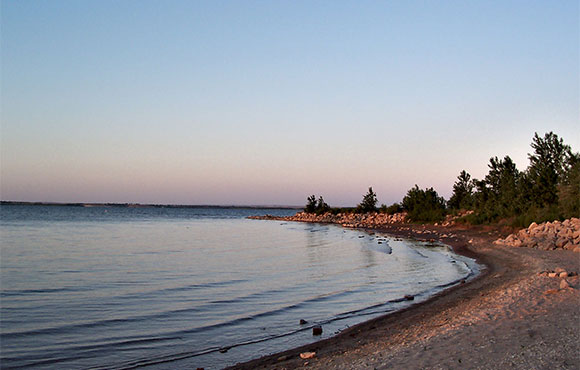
<point>317,330</point>
<point>559,270</point>
<point>282,358</point>
<point>564,284</point>
<point>545,245</point>
<point>561,242</point>
<point>409,297</point>
<point>563,274</point>
<point>307,355</point>
<point>552,274</point>
<point>303,322</point>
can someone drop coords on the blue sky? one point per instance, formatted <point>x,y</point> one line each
<point>266,102</point>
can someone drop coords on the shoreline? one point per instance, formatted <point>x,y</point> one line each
<point>508,316</point>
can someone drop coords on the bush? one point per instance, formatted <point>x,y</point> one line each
<point>392,209</point>
<point>424,205</point>
<point>343,210</point>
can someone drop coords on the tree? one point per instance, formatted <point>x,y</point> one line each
<point>462,197</point>
<point>500,193</point>
<point>549,163</point>
<point>424,205</point>
<point>569,189</point>
<point>502,181</point>
<point>310,204</point>
<point>322,207</point>
<point>369,202</point>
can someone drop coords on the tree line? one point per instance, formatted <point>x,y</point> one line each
<point>548,189</point>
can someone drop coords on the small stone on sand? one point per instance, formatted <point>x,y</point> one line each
<point>307,355</point>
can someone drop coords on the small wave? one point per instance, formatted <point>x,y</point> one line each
<point>23,292</point>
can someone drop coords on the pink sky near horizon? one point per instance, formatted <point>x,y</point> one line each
<point>267,104</point>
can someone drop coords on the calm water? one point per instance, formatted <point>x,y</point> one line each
<point>117,288</point>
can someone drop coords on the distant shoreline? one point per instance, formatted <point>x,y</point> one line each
<point>140,205</point>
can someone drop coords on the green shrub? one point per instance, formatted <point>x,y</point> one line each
<point>424,205</point>
<point>392,209</point>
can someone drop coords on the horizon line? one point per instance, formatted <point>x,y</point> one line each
<point>144,205</point>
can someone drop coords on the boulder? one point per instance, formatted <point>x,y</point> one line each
<point>546,245</point>
<point>568,246</point>
<point>561,242</point>
<point>564,284</point>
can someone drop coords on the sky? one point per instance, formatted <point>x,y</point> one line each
<point>267,102</point>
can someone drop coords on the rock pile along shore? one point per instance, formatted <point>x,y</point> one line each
<point>547,236</point>
<point>354,220</point>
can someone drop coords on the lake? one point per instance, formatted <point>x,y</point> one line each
<point>118,287</point>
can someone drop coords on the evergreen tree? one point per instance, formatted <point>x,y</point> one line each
<point>462,197</point>
<point>569,189</point>
<point>369,202</point>
<point>548,164</point>
<point>502,181</point>
<point>322,207</point>
<point>310,204</point>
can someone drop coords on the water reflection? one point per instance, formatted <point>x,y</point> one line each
<point>192,285</point>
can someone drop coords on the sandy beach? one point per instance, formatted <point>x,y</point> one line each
<point>511,316</point>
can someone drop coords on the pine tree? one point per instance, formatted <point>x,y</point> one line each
<point>462,197</point>
<point>548,164</point>
<point>310,204</point>
<point>369,202</point>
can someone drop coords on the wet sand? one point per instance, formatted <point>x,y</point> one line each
<point>508,317</point>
